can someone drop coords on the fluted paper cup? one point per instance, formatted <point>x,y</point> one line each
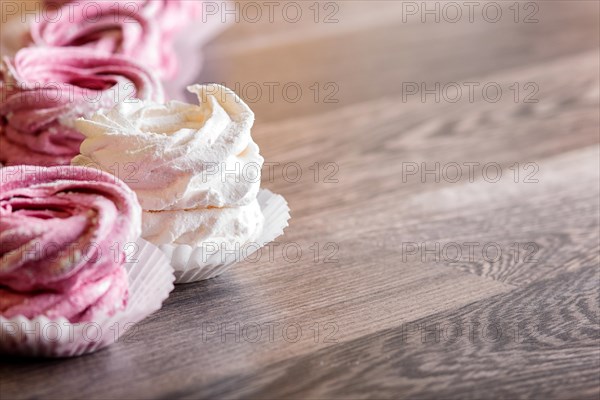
<point>150,282</point>
<point>193,264</point>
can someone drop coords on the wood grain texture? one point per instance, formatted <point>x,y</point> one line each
<point>383,320</point>
<point>540,341</point>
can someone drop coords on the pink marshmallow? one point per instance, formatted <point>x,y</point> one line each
<point>43,89</point>
<point>63,231</point>
<point>141,29</point>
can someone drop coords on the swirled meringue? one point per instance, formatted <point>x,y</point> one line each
<point>63,232</point>
<point>43,89</point>
<point>185,156</point>
<point>193,167</point>
<point>141,29</point>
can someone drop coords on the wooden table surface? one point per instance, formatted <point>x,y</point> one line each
<point>393,280</point>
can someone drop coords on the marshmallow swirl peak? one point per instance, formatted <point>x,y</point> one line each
<point>195,168</point>
<point>178,156</point>
<point>44,89</point>
<point>141,29</point>
<point>171,15</point>
<point>63,233</point>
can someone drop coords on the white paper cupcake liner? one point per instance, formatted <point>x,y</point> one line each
<point>191,264</point>
<point>150,282</point>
